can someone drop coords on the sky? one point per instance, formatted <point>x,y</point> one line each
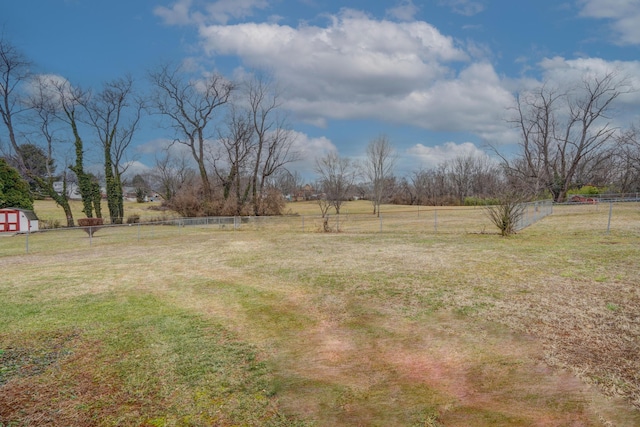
<point>437,78</point>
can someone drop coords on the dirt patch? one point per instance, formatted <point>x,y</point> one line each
<point>73,391</point>
<point>486,376</point>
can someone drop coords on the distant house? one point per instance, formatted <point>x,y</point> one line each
<point>73,191</point>
<point>15,220</point>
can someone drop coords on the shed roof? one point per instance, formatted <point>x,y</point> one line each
<point>31,215</point>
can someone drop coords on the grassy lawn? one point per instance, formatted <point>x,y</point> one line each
<point>48,212</point>
<point>263,328</point>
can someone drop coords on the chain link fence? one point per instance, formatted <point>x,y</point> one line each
<point>533,212</point>
<point>418,219</point>
<point>414,220</point>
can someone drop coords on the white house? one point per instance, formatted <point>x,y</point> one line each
<point>73,192</point>
<point>15,220</point>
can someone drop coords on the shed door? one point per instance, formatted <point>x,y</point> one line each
<point>9,221</point>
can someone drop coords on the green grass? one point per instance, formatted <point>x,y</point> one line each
<point>198,326</point>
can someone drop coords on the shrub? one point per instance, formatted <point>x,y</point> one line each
<point>141,195</point>
<point>46,224</point>
<point>479,201</point>
<point>14,191</point>
<point>133,219</point>
<point>506,215</point>
<point>585,190</point>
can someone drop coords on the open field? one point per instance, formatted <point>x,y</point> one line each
<point>48,212</point>
<point>271,326</point>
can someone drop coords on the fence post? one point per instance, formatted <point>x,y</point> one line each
<point>303,223</point>
<point>381,223</point>
<point>90,235</point>
<point>609,222</point>
<point>27,238</point>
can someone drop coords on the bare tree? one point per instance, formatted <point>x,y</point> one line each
<point>232,165</point>
<point>560,131</point>
<point>472,175</point>
<point>336,177</point>
<point>378,168</point>
<point>506,214</point>
<point>170,174</point>
<point>114,115</point>
<point>459,171</point>
<point>191,107</point>
<point>626,162</point>
<point>273,140</point>
<point>288,182</point>
<point>430,186</point>
<point>44,121</point>
<point>14,70</point>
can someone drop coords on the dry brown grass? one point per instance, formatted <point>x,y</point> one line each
<point>48,212</point>
<point>455,329</point>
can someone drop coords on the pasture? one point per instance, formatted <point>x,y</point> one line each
<point>271,326</point>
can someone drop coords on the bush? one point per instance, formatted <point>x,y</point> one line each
<point>479,201</point>
<point>47,224</point>
<point>14,191</point>
<point>506,215</point>
<point>585,190</point>
<point>133,219</point>
<point>141,195</point>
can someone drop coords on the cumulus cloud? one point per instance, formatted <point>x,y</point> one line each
<point>177,14</point>
<point>406,10</point>
<point>221,11</point>
<point>134,168</point>
<point>464,7</point>
<point>623,15</point>
<point>359,67</point>
<point>51,87</point>
<point>431,157</point>
<point>562,72</point>
<point>309,149</point>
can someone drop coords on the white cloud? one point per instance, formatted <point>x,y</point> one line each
<point>153,146</point>
<point>431,157</point>
<point>623,14</point>
<point>134,168</point>
<point>158,148</point>
<point>51,87</point>
<point>565,73</point>
<point>221,11</point>
<point>178,14</point>
<point>309,149</point>
<point>464,7</point>
<point>358,67</point>
<point>406,10</point>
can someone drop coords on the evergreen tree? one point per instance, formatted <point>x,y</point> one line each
<point>14,191</point>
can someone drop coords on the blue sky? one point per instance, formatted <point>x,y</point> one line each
<point>437,77</point>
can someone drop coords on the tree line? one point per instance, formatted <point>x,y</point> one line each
<point>235,133</point>
<point>568,140</point>
<point>231,146</point>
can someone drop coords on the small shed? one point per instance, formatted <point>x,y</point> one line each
<point>15,220</point>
